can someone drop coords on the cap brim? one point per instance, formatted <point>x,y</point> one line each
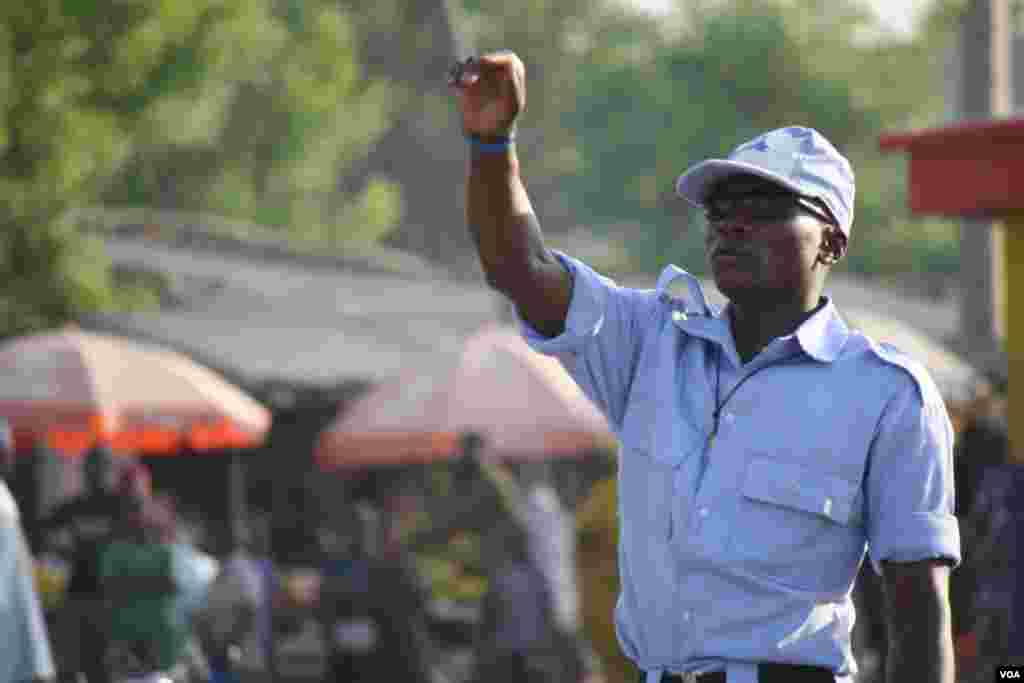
<point>694,184</point>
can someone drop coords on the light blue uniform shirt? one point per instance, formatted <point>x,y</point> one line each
<point>744,548</point>
<point>24,647</point>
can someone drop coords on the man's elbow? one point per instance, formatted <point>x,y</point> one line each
<point>511,277</point>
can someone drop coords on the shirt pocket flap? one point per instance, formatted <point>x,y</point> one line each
<point>798,487</point>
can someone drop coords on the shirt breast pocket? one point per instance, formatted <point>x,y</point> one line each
<point>797,525</point>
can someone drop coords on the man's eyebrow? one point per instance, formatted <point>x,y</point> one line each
<point>752,192</point>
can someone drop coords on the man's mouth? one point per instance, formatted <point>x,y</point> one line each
<point>726,254</point>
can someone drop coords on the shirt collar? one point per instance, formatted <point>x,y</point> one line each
<point>822,336</point>
<point>683,294</point>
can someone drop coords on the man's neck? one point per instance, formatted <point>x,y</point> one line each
<point>754,326</point>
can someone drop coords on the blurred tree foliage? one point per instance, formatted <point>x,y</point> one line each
<point>649,103</point>
<point>550,36</point>
<point>261,109</point>
<point>243,107</point>
<point>251,109</point>
<point>412,45</point>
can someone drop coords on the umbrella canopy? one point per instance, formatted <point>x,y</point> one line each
<point>958,381</point>
<point>71,389</point>
<point>523,403</point>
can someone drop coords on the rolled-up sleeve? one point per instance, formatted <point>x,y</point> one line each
<point>602,337</point>
<point>909,488</point>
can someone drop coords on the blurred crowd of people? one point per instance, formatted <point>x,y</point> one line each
<point>129,580</point>
<point>145,600</point>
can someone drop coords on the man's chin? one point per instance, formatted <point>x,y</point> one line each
<point>733,284</point>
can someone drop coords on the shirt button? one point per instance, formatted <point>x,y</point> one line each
<point>687,616</point>
<point>703,512</point>
<point>730,418</point>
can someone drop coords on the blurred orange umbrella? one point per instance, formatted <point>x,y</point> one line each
<point>71,389</point>
<point>523,403</point>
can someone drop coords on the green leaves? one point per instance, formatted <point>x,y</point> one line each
<point>244,108</point>
<point>280,108</point>
<point>739,68</point>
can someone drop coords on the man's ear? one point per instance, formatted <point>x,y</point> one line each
<point>833,247</point>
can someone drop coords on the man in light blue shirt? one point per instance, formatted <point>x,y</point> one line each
<point>24,646</point>
<point>766,448</point>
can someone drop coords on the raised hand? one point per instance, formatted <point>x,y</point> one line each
<point>491,91</point>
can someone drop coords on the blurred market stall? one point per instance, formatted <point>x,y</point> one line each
<point>523,404</point>
<point>66,390</point>
<point>69,389</point>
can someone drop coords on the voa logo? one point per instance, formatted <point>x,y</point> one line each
<point>1009,675</point>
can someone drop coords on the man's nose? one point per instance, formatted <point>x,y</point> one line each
<point>733,227</point>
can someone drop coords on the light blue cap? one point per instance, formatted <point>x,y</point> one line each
<point>800,159</point>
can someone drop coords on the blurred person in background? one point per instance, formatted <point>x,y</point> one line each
<point>981,444</point>
<point>516,634</point>
<point>521,626</point>
<point>80,529</point>
<point>551,543</point>
<point>194,572</point>
<point>400,597</point>
<point>982,447</point>
<point>24,647</point>
<point>372,606</point>
<point>597,534</point>
<point>991,630</point>
<point>137,575</point>
<point>235,623</point>
<point>346,619</point>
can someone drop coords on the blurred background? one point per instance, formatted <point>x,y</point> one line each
<point>273,190</point>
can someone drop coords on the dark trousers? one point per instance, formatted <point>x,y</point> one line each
<point>81,639</point>
<point>516,668</point>
<point>766,673</point>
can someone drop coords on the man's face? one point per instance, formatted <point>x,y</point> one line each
<point>766,245</point>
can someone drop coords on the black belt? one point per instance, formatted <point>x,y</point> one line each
<point>769,672</point>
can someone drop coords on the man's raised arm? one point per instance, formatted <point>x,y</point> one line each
<point>491,92</point>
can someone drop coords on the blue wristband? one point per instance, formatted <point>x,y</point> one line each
<point>502,143</point>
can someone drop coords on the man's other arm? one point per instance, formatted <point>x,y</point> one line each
<point>920,622</point>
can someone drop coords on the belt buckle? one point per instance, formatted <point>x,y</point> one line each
<point>706,677</point>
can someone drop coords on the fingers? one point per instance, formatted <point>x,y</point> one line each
<point>491,91</point>
<point>461,72</point>
<point>500,65</point>
<point>500,59</point>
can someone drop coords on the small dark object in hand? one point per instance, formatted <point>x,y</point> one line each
<point>459,69</point>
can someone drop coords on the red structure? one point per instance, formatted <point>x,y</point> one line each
<point>977,170</point>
